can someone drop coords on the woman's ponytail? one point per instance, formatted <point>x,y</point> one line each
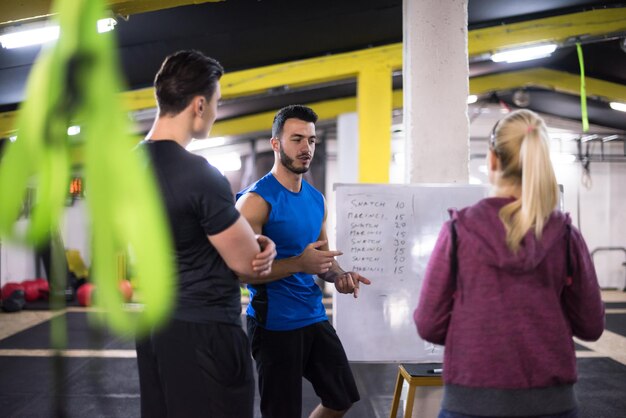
<point>521,144</point>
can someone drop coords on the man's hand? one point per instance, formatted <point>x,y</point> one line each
<point>314,261</point>
<point>348,282</point>
<point>262,263</point>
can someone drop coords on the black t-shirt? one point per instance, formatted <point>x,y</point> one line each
<point>199,202</point>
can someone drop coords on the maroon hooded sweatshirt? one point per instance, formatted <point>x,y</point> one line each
<point>506,319</point>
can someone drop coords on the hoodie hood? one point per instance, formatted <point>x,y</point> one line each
<point>480,227</point>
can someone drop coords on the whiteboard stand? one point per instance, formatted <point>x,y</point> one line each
<point>415,380</point>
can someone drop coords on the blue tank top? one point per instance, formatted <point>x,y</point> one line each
<point>295,221</point>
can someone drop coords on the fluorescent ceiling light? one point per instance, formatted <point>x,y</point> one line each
<point>73,130</point>
<point>472,98</point>
<point>29,37</point>
<point>106,25</point>
<point>198,144</point>
<point>524,54</point>
<point>618,106</point>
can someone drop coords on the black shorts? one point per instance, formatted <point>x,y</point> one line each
<point>196,370</point>
<point>284,357</point>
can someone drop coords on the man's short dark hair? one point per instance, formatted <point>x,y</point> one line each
<point>291,112</point>
<point>182,76</point>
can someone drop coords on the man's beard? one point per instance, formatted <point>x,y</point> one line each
<point>288,163</point>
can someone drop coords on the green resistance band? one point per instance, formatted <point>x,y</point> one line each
<point>77,80</point>
<point>583,89</point>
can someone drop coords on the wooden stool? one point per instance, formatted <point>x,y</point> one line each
<point>416,375</point>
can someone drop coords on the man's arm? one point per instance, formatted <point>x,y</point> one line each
<point>248,255</point>
<point>345,281</point>
<point>312,260</point>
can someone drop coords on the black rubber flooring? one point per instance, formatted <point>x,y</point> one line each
<point>616,323</point>
<point>109,387</point>
<point>80,336</point>
<point>92,387</point>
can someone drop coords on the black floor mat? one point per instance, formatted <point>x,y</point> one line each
<point>601,388</point>
<point>93,387</point>
<point>44,305</point>
<point>616,323</point>
<point>99,387</point>
<point>109,387</point>
<point>81,334</point>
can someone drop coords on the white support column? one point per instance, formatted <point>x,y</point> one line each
<point>348,148</point>
<point>436,85</point>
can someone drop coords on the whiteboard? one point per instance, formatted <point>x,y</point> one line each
<point>386,233</point>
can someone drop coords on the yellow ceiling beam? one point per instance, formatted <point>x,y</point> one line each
<point>20,10</point>
<point>539,77</point>
<point>555,29</point>
<point>348,65</point>
<point>310,71</point>
<point>480,41</point>
<point>131,7</point>
<point>549,79</point>
<point>326,110</point>
<point>7,119</point>
<point>13,11</point>
<point>293,74</point>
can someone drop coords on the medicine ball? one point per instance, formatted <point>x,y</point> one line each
<point>44,288</point>
<point>31,290</point>
<point>14,302</point>
<point>84,294</point>
<point>127,290</point>
<point>11,287</point>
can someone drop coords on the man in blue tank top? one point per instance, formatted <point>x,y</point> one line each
<point>287,324</point>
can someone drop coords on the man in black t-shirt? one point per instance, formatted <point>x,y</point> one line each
<point>199,364</point>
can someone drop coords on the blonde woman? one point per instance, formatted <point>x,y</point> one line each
<point>510,281</point>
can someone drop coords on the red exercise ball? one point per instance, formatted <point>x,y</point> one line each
<point>127,290</point>
<point>9,288</point>
<point>44,288</point>
<point>84,294</point>
<point>13,297</point>
<point>31,290</point>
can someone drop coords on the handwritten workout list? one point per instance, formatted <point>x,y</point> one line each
<point>386,233</point>
<point>379,231</point>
